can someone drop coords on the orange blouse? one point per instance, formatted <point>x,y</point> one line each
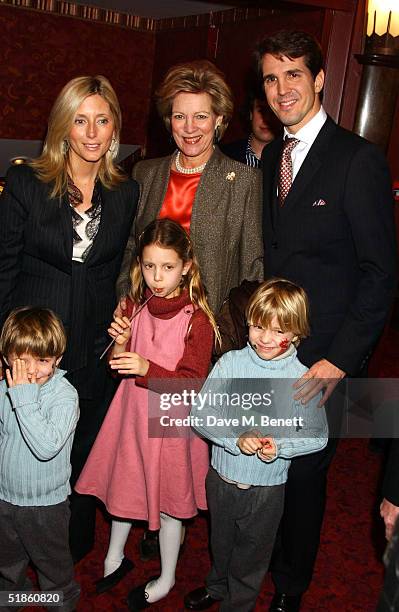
<point>179,198</point>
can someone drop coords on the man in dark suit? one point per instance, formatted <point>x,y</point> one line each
<point>328,226</point>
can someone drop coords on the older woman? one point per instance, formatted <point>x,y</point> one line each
<point>64,223</point>
<point>217,199</point>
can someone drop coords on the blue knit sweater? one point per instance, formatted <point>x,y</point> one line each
<point>36,433</point>
<point>302,429</point>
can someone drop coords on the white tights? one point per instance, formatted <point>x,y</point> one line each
<point>169,544</point>
<point>119,534</point>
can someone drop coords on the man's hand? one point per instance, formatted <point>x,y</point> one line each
<point>389,513</point>
<point>19,374</point>
<point>322,375</point>
<point>250,441</point>
<point>130,363</point>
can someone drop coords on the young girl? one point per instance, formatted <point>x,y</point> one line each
<point>158,479</point>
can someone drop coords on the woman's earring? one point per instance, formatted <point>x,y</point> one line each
<point>113,147</point>
<point>65,146</point>
<point>216,136</point>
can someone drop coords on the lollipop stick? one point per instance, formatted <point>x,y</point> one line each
<point>105,351</point>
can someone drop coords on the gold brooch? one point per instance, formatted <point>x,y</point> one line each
<point>231,176</point>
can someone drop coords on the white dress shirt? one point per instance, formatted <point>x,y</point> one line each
<point>306,136</point>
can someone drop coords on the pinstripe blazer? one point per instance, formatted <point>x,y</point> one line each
<point>226,226</point>
<point>36,265</point>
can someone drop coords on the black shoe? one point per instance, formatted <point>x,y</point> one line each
<point>285,603</point>
<point>149,546</point>
<point>199,599</point>
<point>137,598</point>
<point>108,582</point>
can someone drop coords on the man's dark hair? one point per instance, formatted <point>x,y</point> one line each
<point>292,45</point>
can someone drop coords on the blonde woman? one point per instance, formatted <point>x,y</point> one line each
<point>64,224</point>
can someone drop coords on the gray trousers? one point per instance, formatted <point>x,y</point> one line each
<point>244,523</point>
<point>38,534</point>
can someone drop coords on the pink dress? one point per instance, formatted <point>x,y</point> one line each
<point>137,476</point>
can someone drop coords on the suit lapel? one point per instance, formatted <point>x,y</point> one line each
<point>108,221</point>
<point>212,181</point>
<point>312,163</point>
<point>66,225</point>
<point>270,164</point>
<point>153,201</point>
<point>274,205</point>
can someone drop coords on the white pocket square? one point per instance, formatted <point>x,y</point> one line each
<point>319,203</point>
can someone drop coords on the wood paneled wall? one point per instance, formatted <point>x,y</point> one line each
<point>40,52</point>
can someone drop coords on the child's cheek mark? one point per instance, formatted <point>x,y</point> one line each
<point>284,343</point>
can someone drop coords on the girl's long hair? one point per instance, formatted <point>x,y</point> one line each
<point>52,165</point>
<point>168,234</point>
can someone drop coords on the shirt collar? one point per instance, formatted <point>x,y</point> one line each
<point>249,147</point>
<point>308,133</point>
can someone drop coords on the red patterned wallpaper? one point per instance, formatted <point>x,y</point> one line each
<point>40,52</point>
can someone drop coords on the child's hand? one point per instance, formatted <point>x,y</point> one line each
<point>250,442</point>
<point>19,374</point>
<point>130,363</point>
<point>268,452</point>
<point>120,307</point>
<point>120,330</point>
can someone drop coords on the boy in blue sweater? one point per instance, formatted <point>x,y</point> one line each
<point>38,415</point>
<point>245,485</point>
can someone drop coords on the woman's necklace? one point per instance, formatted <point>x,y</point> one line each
<point>183,170</point>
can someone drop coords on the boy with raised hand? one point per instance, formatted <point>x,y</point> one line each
<point>38,415</point>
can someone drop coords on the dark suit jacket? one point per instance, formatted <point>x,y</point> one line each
<point>236,150</point>
<point>335,236</point>
<point>226,226</point>
<point>36,265</point>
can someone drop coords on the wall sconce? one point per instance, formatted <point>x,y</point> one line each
<point>380,77</point>
<point>382,27</point>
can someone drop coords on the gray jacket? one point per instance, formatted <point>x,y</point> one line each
<point>226,222</point>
